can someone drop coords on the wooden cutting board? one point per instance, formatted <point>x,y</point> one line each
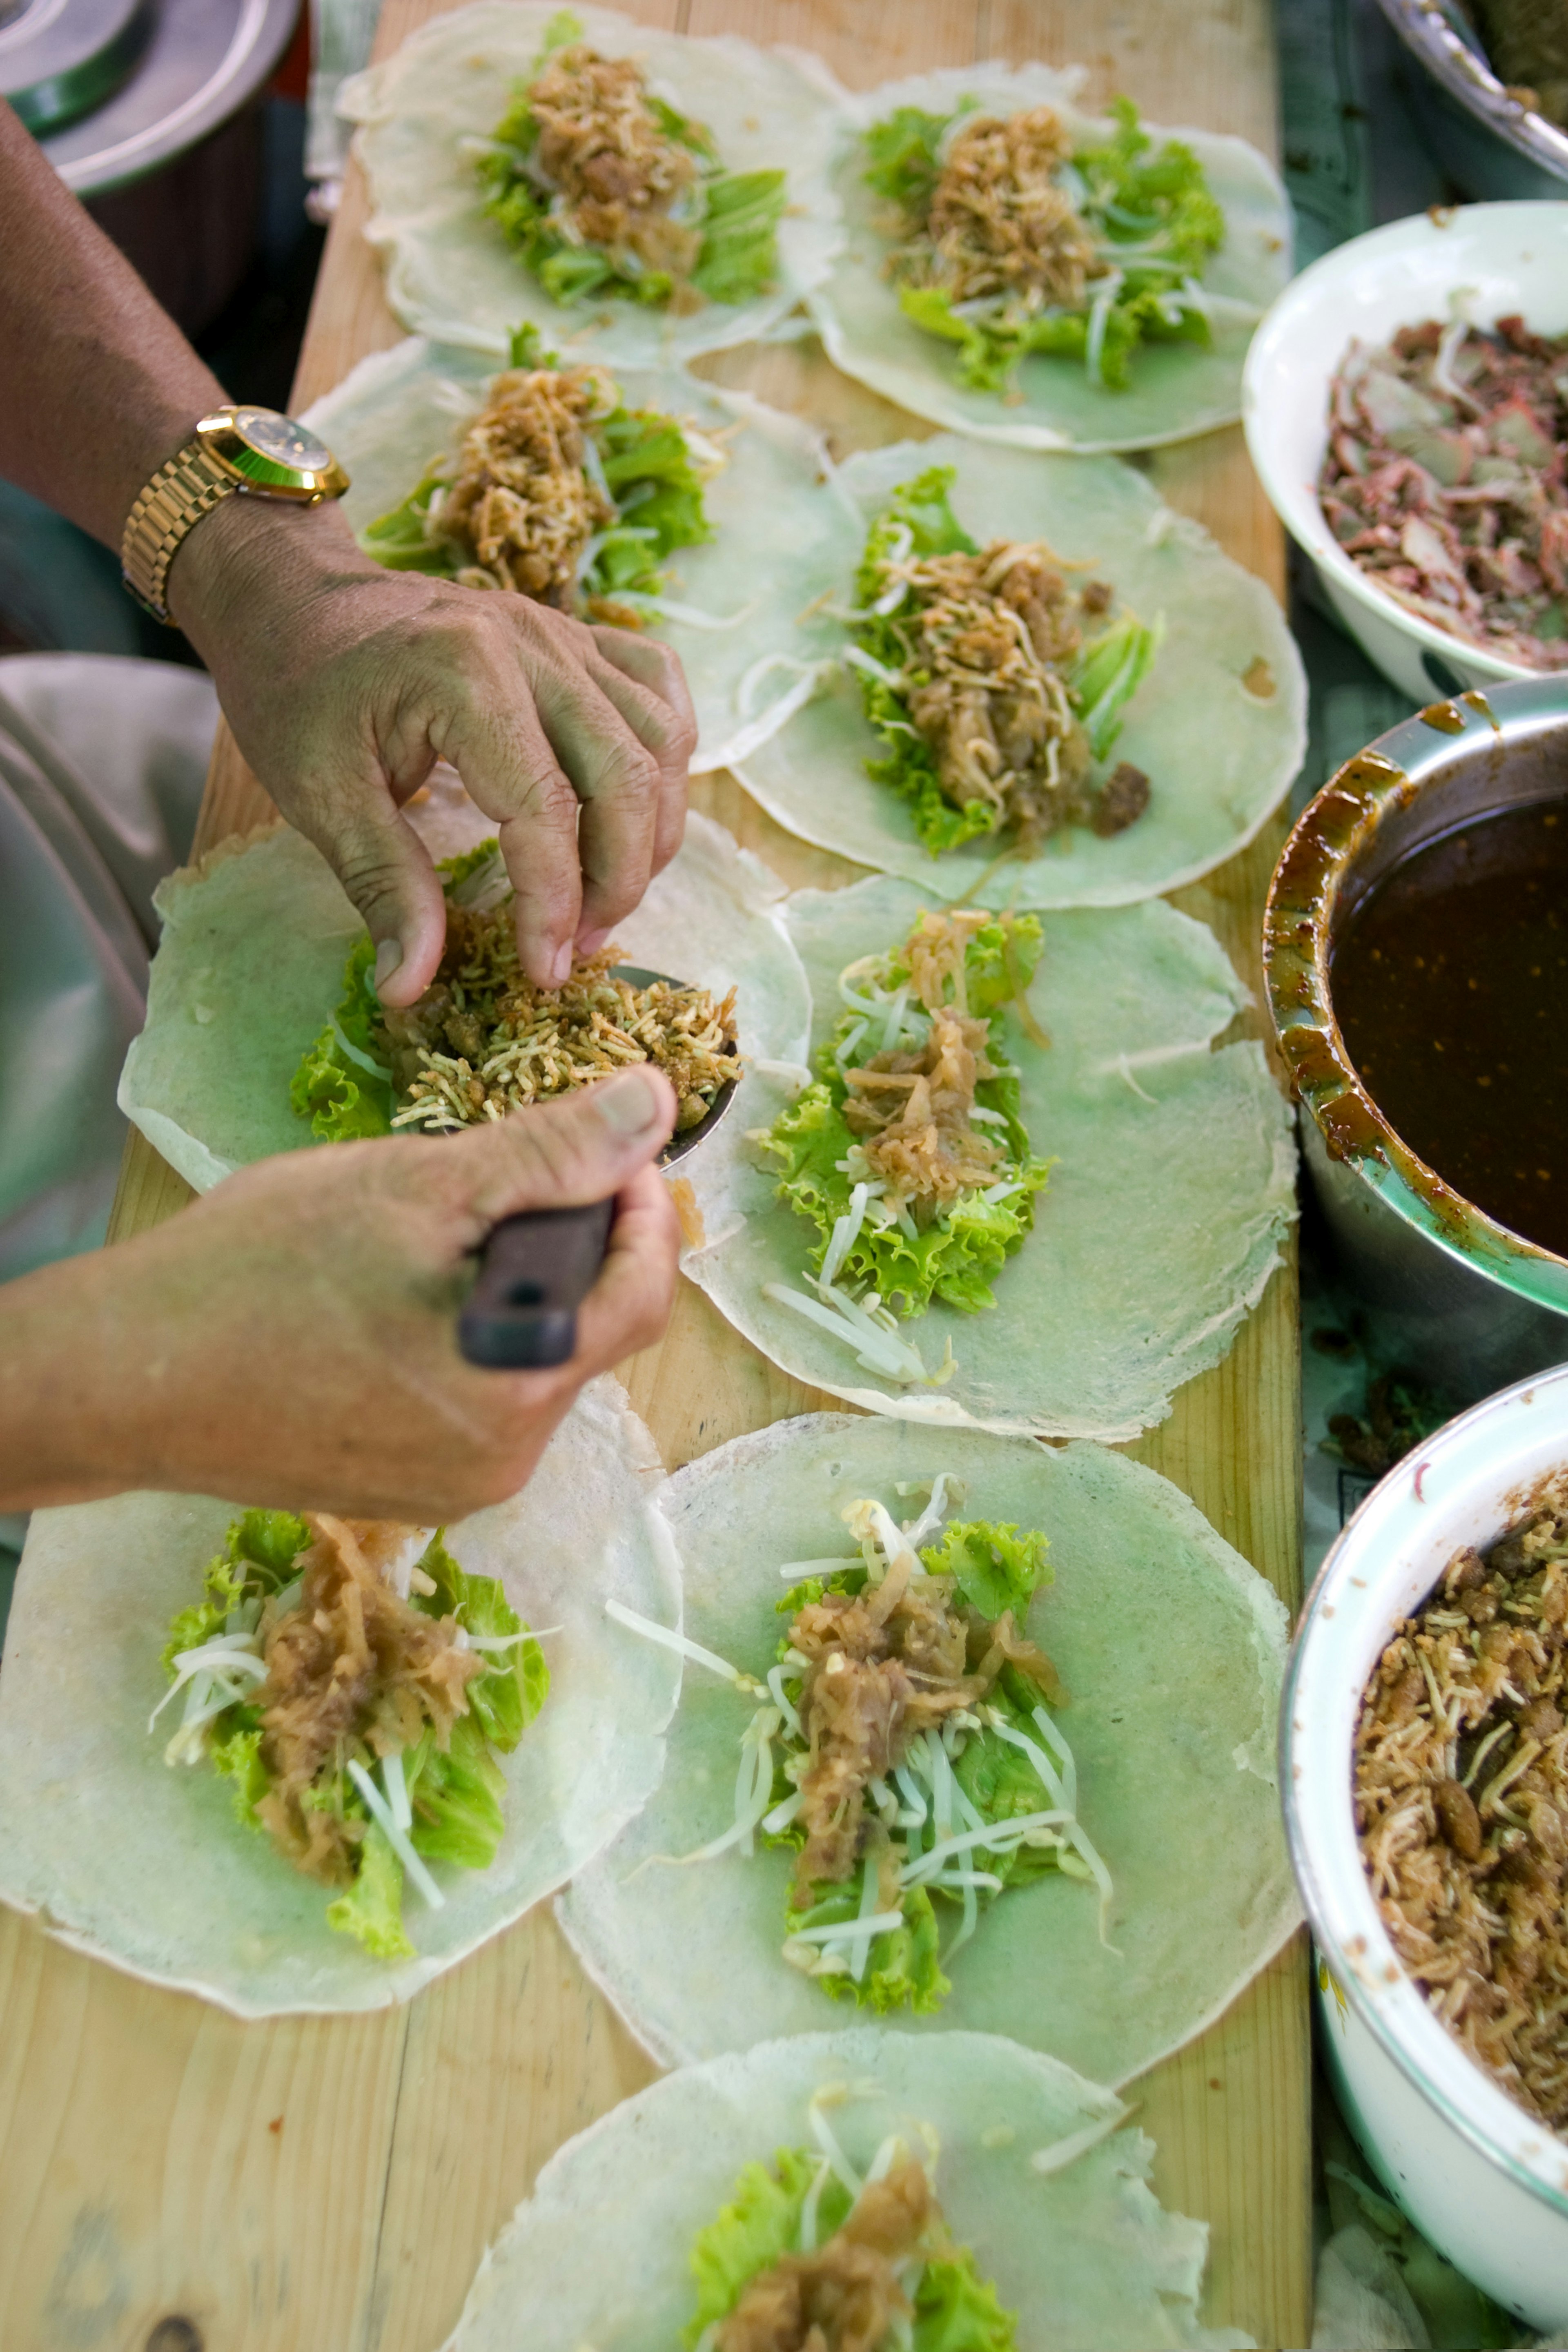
<point>172,2179</point>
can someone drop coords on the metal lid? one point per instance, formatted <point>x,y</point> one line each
<point>60,59</point>
<point>194,64</point>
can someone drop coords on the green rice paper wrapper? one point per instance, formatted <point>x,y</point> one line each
<point>1218,724</point>
<point>1175,389</point>
<point>782,529</point>
<point>251,962</point>
<point>145,1865</point>
<point>1171,1648</point>
<point>1085,2255</point>
<point>451,273</point>
<point>1163,1219</point>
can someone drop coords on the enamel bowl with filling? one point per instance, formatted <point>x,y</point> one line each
<point>1474,2171</point>
<point>1456,1242</point>
<point>1478,262</point>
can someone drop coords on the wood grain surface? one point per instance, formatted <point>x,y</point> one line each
<point>172,2179</point>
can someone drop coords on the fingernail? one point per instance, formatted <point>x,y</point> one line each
<point>589,942</point>
<point>627,1103</point>
<point>388,957</point>
<point>560,968</point>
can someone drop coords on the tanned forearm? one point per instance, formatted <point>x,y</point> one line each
<point>98,385</point>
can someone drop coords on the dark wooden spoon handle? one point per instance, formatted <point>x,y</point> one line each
<point>535,1271</point>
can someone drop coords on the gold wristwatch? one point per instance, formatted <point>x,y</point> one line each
<point>252,451</point>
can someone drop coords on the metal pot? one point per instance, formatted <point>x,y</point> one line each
<point>150,110</point>
<point>1470,1301</point>
<point>1490,142</point>
<point>1482,2178</point>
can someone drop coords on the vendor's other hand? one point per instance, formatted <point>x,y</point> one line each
<point>290,1339</point>
<point>344,683</point>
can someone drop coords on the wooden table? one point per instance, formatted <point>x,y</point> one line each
<point>172,2179</point>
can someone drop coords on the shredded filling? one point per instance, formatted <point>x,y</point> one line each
<point>1461,1800</point>
<point>483,1040</point>
<point>522,507</point>
<point>1445,481</point>
<point>618,173</point>
<point>999,223</point>
<point>985,638</point>
<point>844,2294</point>
<point>353,1671</point>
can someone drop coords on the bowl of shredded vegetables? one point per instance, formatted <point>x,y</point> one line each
<point>1406,403</point>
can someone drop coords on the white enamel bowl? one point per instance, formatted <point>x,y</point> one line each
<point>1483,2180</point>
<point>1494,259</point>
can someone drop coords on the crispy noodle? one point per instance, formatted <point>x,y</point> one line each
<point>998,221</point>
<point>617,173</point>
<point>483,1040</point>
<point>987,639</point>
<point>523,505</point>
<point>1461,1801</point>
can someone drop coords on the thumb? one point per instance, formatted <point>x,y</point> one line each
<point>558,1155</point>
<point>386,870</point>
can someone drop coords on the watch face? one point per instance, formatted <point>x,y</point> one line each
<point>279,438</point>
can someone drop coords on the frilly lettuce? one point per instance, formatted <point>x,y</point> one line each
<point>995,1570</point>
<point>456,1793</point>
<point>955,2309</point>
<point>1101,680</point>
<point>1154,225</point>
<point>959,1254</point>
<point>648,472</point>
<point>741,211</point>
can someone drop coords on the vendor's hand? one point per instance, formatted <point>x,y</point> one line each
<point>345,683</point>
<point>290,1339</point>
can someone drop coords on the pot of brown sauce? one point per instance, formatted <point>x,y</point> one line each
<point>1416,948</point>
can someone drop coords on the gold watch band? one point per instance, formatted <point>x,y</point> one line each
<point>177,497</point>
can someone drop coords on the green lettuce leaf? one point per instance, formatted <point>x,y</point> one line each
<point>505,1700</point>
<point>1106,675</point>
<point>739,256</point>
<point>235,1747</point>
<point>903,1970</point>
<point>1153,218</point>
<point>370,1909</point>
<point>257,1558</point>
<point>456,1793</point>
<point>955,2310</point>
<point>399,540</point>
<point>997,1569</point>
<point>340,1098</point>
<point>760,2224</point>
<point>959,1254</point>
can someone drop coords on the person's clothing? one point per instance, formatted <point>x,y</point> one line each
<point>102,765</point>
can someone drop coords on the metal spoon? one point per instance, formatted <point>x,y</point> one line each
<point>535,1268</point>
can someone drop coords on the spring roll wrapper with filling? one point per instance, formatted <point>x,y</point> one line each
<point>251,962</point>
<point>146,1865</point>
<point>450,272</point>
<point>782,529</point>
<point>1171,1649</point>
<point>1175,389</point>
<point>1086,2256</point>
<point>1217,724</point>
<point>1160,1227</point>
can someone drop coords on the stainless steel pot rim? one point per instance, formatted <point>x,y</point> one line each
<point>1466,76</point>
<point>1318,1805</point>
<point>1390,772</point>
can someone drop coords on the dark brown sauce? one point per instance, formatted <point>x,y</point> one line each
<point>1450,988</point>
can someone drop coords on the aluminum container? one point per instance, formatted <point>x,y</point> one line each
<point>1481,2177</point>
<point>1490,142</point>
<point>1489,260</point>
<point>1454,1293</point>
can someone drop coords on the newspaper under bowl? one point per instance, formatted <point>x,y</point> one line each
<point>145,1865</point>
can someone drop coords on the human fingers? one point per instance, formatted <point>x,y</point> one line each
<point>650,670</point>
<point>629,1306</point>
<point>557,1155</point>
<point>387,872</point>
